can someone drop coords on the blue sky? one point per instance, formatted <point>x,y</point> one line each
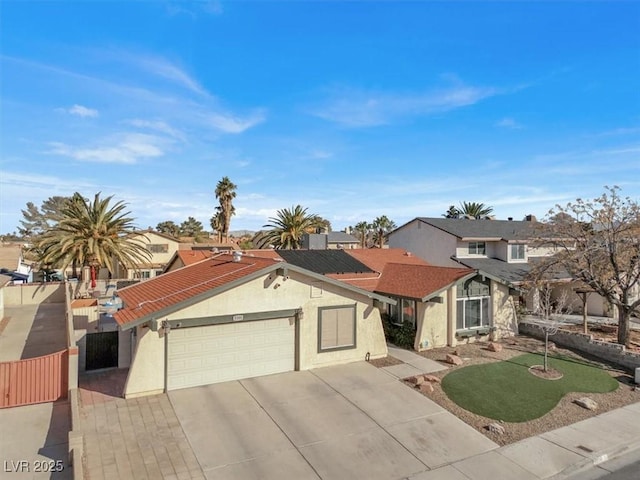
<point>352,109</point>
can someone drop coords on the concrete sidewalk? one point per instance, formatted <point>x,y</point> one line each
<point>556,455</point>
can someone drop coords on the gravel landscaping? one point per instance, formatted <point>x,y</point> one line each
<point>565,413</point>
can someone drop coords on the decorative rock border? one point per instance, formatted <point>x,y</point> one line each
<point>611,352</point>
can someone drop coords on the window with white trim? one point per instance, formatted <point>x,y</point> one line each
<point>473,313</point>
<point>517,251</point>
<point>477,248</point>
<point>473,305</point>
<point>336,328</point>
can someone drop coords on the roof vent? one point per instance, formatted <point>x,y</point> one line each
<point>214,250</point>
<point>408,254</point>
<point>237,256</point>
<point>510,219</point>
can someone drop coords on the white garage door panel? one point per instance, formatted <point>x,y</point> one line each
<point>220,353</point>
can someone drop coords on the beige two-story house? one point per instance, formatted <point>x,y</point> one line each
<point>503,254</point>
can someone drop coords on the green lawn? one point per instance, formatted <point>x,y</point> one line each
<point>507,391</point>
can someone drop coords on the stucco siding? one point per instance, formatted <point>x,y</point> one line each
<point>427,242</point>
<point>505,319</point>
<point>268,293</point>
<point>146,373</point>
<point>432,327</point>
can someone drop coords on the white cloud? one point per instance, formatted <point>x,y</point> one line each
<point>233,124</point>
<point>510,123</point>
<point>129,148</point>
<point>158,126</point>
<point>357,108</point>
<point>80,111</point>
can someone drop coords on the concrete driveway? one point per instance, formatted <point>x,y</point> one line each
<point>350,421</point>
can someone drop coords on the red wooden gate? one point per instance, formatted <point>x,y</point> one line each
<point>34,380</point>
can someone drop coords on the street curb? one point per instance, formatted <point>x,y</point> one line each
<point>604,456</point>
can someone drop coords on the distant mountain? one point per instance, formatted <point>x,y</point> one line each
<point>241,233</point>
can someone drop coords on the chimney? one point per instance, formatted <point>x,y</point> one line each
<point>510,219</point>
<point>531,218</point>
<point>347,230</point>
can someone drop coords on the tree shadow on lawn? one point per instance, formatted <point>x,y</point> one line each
<point>507,391</point>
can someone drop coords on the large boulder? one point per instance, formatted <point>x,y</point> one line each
<point>426,388</point>
<point>431,378</point>
<point>494,347</point>
<point>496,428</point>
<point>453,359</point>
<point>586,402</point>
<point>415,381</point>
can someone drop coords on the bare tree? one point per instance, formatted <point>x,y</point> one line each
<point>598,243</point>
<point>550,308</point>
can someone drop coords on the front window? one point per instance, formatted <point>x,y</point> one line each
<point>473,313</point>
<point>473,304</point>
<point>517,252</point>
<point>336,328</point>
<point>477,248</point>
<point>403,311</point>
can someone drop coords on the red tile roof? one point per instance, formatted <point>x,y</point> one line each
<point>170,288</point>
<point>189,257</point>
<point>417,281</point>
<point>401,273</point>
<point>377,258</point>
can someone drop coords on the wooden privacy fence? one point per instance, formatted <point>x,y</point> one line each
<point>34,380</point>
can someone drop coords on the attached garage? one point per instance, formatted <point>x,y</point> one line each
<point>234,317</point>
<point>231,351</point>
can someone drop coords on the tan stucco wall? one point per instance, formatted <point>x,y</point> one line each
<point>34,294</point>
<point>259,295</point>
<point>425,241</point>
<point>505,320</point>
<point>146,373</point>
<point>432,324</point>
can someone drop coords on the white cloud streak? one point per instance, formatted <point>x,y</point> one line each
<point>81,111</point>
<point>509,123</point>
<point>128,148</point>
<point>234,124</point>
<point>357,108</point>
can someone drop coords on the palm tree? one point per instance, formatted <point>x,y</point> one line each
<point>217,223</point>
<point>168,228</point>
<point>288,227</point>
<point>94,234</point>
<point>453,212</point>
<point>225,193</point>
<point>363,229</point>
<point>474,209</point>
<point>381,226</point>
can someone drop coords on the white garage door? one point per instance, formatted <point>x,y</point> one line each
<point>231,351</point>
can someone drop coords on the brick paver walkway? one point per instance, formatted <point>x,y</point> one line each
<point>132,439</point>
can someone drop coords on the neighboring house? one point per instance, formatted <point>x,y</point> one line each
<point>435,300</point>
<point>235,316</point>
<point>501,250</point>
<point>162,248</point>
<point>329,241</point>
<point>183,258</point>
<point>13,263</point>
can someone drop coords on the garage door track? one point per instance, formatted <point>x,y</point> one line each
<point>349,421</point>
